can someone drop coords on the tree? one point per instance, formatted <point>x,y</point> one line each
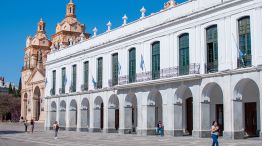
<point>19,88</point>
<point>9,104</point>
<point>10,89</point>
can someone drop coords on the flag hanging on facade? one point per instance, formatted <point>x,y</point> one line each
<point>142,63</point>
<point>94,82</point>
<point>119,68</point>
<point>65,81</point>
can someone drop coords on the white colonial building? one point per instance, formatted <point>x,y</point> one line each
<point>186,65</point>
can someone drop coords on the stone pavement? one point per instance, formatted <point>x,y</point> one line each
<point>13,135</point>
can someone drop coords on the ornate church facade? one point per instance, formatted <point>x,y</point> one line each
<point>69,31</point>
<point>186,65</point>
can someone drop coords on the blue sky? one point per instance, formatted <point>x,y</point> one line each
<point>19,19</point>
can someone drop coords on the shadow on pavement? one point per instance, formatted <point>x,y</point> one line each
<point>10,132</point>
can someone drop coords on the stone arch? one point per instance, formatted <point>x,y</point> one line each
<point>53,110</point>
<point>62,114</point>
<point>154,111</point>
<point>98,114</point>
<point>85,114</point>
<point>73,114</point>
<point>130,113</point>
<point>212,108</point>
<point>113,114</point>
<point>36,103</point>
<point>183,110</point>
<point>246,108</point>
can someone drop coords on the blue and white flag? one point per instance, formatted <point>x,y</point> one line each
<point>45,81</point>
<point>241,54</point>
<point>94,82</point>
<point>119,68</point>
<point>65,81</point>
<point>142,63</point>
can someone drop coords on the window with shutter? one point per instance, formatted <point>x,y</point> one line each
<point>184,54</point>
<point>156,60</point>
<point>212,49</point>
<point>114,69</point>
<point>54,82</point>
<point>132,65</point>
<point>86,71</point>
<point>99,72</point>
<point>74,79</point>
<point>63,79</point>
<point>245,58</point>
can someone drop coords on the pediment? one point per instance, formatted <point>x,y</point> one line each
<point>35,77</point>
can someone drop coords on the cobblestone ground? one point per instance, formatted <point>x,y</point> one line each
<point>13,135</point>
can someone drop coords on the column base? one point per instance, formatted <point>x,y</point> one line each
<point>70,129</point>
<point>175,133</point>
<point>127,131</point>
<point>234,134</point>
<point>145,132</point>
<point>82,129</point>
<point>201,134</point>
<point>94,130</point>
<point>260,135</point>
<point>111,130</point>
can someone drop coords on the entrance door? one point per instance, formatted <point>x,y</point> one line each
<point>251,118</point>
<point>189,115</point>
<point>102,116</point>
<point>220,117</point>
<point>117,119</point>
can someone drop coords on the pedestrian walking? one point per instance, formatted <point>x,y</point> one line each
<point>25,124</point>
<point>160,128</point>
<point>214,133</point>
<point>56,128</point>
<point>32,125</point>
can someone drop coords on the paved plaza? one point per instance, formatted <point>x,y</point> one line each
<point>13,135</point>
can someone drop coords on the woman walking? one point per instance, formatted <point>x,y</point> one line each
<point>32,125</point>
<point>56,128</point>
<point>25,124</point>
<point>214,133</point>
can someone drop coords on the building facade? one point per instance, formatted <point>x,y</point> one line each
<point>33,75</point>
<point>68,32</point>
<point>187,65</point>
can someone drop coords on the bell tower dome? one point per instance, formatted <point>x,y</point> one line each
<point>41,26</point>
<point>70,9</point>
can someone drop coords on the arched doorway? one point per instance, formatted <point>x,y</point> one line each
<point>73,115</point>
<point>84,114</point>
<point>113,114</point>
<point>52,113</point>
<point>212,107</point>
<point>130,114</point>
<point>98,114</point>
<point>36,103</point>
<point>62,114</point>
<point>246,108</point>
<point>154,111</point>
<point>25,106</point>
<point>183,109</point>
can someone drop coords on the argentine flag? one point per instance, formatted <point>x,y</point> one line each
<point>142,63</point>
<point>94,82</point>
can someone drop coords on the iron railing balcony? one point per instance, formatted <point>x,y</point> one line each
<point>72,89</point>
<point>183,70</point>
<point>52,92</point>
<point>84,87</point>
<point>163,74</point>
<point>211,67</point>
<point>244,61</point>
